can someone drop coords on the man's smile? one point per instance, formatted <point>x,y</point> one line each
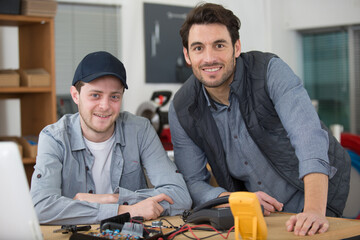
<point>101,115</point>
<point>214,69</point>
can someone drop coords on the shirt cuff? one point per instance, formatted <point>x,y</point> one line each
<point>210,193</point>
<point>107,210</point>
<point>315,165</point>
<point>126,197</point>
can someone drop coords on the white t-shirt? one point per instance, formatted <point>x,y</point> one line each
<point>102,151</point>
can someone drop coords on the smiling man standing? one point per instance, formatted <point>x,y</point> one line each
<point>250,118</point>
<point>90,165</point>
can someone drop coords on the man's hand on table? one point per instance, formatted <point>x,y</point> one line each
<point>148,208</point>
<point>269,203</point>
<point>307,223</point>
<point>312,220</point>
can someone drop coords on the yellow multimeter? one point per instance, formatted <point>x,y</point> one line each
<point>248,217</point>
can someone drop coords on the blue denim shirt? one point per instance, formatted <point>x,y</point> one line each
<point>63,169</point>
<point>244,159</point>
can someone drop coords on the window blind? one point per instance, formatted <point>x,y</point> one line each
<point>79,30</point>
<point>326,74</point>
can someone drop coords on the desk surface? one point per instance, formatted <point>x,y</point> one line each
<point>339,228</point>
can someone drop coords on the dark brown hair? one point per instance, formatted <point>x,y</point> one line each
<point>207,13</point>
<point>78,85</point>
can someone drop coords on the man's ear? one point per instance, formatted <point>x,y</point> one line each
<point>186,56</point>
<point>74,94</point>
<point>237,49</point>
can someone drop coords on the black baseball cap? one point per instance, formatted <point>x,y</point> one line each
<point>98,64</point>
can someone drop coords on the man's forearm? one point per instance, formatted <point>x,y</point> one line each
<point>316,190</point>
<point>68,211</point>
<point>312,220</point>
<point>97,198</point>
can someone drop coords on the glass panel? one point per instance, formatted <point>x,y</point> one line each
<point>356,78</point>
<point>326,75</point>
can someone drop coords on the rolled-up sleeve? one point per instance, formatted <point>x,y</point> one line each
<point>299,118</point>
<point>46,190</point>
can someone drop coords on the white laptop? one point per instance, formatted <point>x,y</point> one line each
<point>17,215</point>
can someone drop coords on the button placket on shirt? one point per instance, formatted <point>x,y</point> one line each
<point>89,160</point>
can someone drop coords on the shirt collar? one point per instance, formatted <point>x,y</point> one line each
<point>77,140</point>
<point>239,71</point>
<point>210,101</point>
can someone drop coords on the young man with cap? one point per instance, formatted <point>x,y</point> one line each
<point>248,116</point>
<point>90,165</point>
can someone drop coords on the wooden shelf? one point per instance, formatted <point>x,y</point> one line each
<point>18,20</point>
<point>25,89</point>
<point>36,50</point>
<point>29,160</point>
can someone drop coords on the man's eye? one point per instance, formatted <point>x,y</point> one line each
<point>197,48</point>
<point>219,46</point>
<point>115,97</point>
<point>94,95</point>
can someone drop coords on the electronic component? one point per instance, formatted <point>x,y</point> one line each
<point>72,228</point>
<point>133,229</point>
<point>124,227</point>
<point>248,217</point>
<point>119,219</point>
<point>156,224</point>
<point>219,218</point>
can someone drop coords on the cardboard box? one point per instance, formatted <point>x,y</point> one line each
<point>36,77</point>
<point>29,144</point>
<point>13,139</point>
<point>46,8</point>
<point>9,78</point>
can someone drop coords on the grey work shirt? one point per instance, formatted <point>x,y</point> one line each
<point>244,159</point>
<point>63,169</point>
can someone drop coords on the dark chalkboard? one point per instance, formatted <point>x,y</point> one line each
<point>165,62</point>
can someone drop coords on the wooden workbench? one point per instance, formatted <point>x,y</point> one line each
<point>340,228</point>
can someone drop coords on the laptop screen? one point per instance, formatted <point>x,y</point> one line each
<point>17,215</point>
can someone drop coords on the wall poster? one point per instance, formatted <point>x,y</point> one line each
<point>164,58</point>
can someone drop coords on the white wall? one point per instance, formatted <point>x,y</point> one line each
<point>266,26</point>
<point>289,16</point>
<point>253,35</point>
